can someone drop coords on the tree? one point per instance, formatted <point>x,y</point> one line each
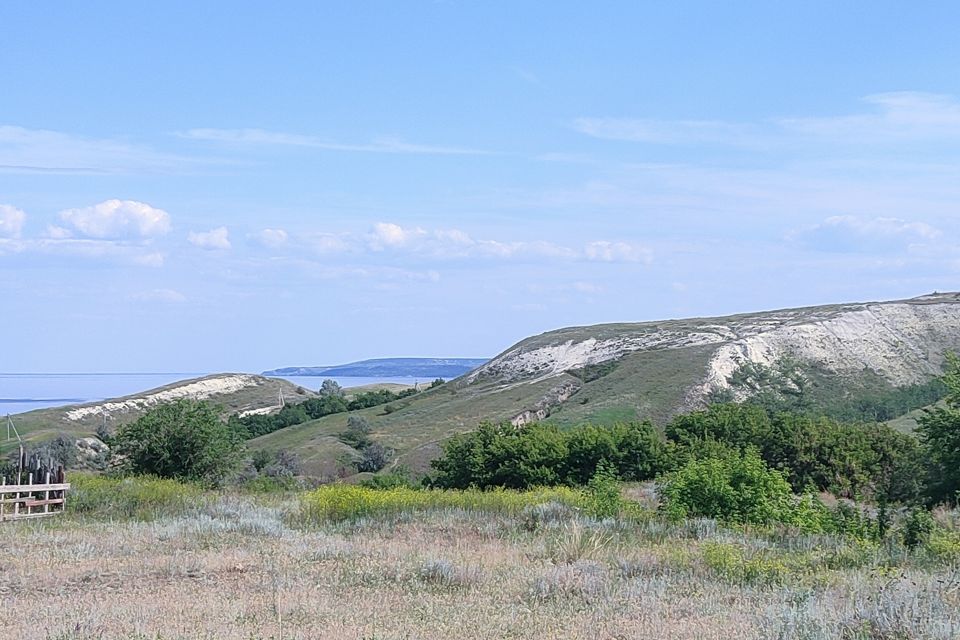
<point>185,439</point>
<point>939,430</point>
<point>358,432</point>
<point>375,457</point>
<point>331,389</point>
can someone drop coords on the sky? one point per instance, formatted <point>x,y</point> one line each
<point>226,186</point>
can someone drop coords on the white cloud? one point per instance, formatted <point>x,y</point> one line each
<point>57,232</point>
<point>43,151</point>
<point>606,251</point>
<point>170,296</point>
<point>892,117</point>
<point>663,131</point>
<point>215,239</point>
<point>386,235</point>
<point>858,235</point>
<point>11,221</point>
<point>276,138</point>
<point>271,238</point>
<point>118,219</point>
<point>115,251</point>
<point>900,116</point>
<point>392,241</point>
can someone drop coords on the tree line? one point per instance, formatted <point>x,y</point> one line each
<point>331,399</point>
<point>869,461</point>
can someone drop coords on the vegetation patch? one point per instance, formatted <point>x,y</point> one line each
<point>136,497</point>
<point>340,502</point>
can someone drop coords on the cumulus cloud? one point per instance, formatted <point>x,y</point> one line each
<point>118,219</point>
<point>392,241</point>
<point>215,239</point>
<point>271,238</point>
<point>11,221</point>
<point>56,232</point>
<point>386,235</point>
<point>857,234</point>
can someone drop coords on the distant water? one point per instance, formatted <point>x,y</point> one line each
<point>21,392</point>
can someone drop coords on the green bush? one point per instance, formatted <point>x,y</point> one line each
<point>939,430</point>
<point>849,460</point>
<point>736,489</point>
<point>731,564</point>
<point>501,455</point>
<point>603,494</point>
<point>917,528</point>
<point>184,439</point>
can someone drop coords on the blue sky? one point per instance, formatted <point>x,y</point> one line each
<point>238,187</point>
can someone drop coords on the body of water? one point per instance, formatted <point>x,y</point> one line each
<point>21,392</point>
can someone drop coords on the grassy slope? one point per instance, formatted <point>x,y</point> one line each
<point>644,385</point>
<point>908,423</point>
<point>414,429</point>
<point>47,423</point>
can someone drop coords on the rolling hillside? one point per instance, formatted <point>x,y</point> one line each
<point>238,393</point>
<point>608,373</point>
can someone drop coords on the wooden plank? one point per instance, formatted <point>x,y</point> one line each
<point>25,516</point>
<point>42,503</point>
<point>32,488</point>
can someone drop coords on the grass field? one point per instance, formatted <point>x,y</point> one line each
<point>153,560</point>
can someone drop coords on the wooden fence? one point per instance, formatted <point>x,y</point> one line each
<point>33,500</point>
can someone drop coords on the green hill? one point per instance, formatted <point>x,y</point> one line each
<point>653,370</point>
<point>237,393</point>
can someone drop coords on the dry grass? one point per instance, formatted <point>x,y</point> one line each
<point>235,567</point>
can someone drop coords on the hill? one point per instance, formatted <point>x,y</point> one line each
<point>236,392</point>
<point>614,372</point>
<point>389,368</point>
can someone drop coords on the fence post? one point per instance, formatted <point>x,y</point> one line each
<point>46,495</point>
<point>3,496</point>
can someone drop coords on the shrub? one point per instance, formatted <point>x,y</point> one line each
<point>399,477</point>
<point>184,439</point>
<point>575,542</point>
<point>374,457</point>
<point>731,564</point>
<point>738,489</point>
<point>917,528</point>
<point>501,455</point>
<point>603,494</point>
<point>62,450</point>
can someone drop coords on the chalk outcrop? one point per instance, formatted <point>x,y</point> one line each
<point>903,342</point>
